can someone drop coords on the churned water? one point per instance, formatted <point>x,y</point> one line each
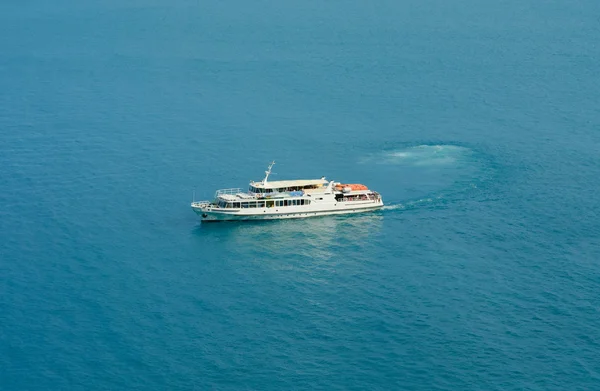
<point>477,121</point>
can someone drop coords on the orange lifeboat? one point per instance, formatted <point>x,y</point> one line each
<point>352,186</point>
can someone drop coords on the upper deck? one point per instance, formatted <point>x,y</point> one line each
<point>296,184</point>
<point>265,186</point>
<point>287,188</point>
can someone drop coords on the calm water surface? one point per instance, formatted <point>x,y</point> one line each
<point>478,122</point>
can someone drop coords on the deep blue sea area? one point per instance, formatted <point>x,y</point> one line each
<point>477,121</point>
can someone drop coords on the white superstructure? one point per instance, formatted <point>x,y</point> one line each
<point>287,199</point>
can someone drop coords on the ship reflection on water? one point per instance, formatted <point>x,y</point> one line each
<point>300,244</point>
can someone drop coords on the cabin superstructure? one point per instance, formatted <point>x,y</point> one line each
<point>286,199</point>
<point>283,186</point>
<point>265,187</point>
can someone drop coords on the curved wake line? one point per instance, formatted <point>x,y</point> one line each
<point>444,172</point>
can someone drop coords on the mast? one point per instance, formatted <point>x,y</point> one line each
<point>268,172</point>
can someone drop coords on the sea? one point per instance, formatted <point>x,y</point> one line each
<point>477,121</point>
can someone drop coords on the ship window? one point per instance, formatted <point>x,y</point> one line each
<point>252,204</point>
<point>301,202</point>
<point>261,204</point>
<point>270,204</point>
<point>236,204</point>
<point>285,202</point>
<point>306,202</point>
<point>244,204</point>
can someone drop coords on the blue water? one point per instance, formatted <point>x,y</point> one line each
<point>477,121</point>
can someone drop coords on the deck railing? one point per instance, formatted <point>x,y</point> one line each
<point>232,191</point>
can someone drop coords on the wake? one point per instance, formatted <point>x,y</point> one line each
<point>422,155</point>
<point>393,207</point>
<point>409,205</point>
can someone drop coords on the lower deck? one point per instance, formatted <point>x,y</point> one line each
<point>326,207</point>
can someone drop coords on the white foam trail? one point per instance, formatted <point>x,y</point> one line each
<point>410,204</point>
<point>423,155</point>
<point>393,207</point>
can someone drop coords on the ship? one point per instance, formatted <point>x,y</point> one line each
<point>288,199</point>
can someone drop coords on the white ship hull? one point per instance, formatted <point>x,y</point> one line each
<point>288,199</point>
<point>290,212</point>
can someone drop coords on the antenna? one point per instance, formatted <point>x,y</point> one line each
<point>268,172</point>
